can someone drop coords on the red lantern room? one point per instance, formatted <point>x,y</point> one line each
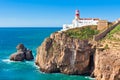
<point>77,15</point>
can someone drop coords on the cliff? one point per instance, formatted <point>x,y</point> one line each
<point>60,53</point>
<point>65,52</point>
<point>70,53</point>
<point>107,57</point>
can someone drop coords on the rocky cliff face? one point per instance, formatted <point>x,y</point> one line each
<point>107,65</point>
<point>107,61</point>
<point>60,53</point>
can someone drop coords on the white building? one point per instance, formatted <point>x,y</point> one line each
<point>118,20</point>
<point>79,22</point>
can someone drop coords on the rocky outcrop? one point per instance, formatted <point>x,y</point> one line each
<point>61,53</point>
<point>107,61</point>
<point>22,54</point>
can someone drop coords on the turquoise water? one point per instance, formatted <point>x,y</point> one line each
<point>31,38</point>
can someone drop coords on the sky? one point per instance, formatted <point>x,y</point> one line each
<point>54,13</point>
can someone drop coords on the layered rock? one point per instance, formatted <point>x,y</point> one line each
<point>22,54</point>
<point>61,53</point>
<point>107,65</point>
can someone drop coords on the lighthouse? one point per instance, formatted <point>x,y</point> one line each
<point>77,19</point>
<point>77,15</point>
<point>80,22</point>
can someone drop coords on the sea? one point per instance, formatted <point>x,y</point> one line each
<point>31,37</point>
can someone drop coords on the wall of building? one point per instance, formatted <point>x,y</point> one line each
<point>102,25</point>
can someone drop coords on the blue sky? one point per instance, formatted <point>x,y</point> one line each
<point>54,13</point>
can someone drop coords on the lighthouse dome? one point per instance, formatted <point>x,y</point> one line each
<point>77,10</point>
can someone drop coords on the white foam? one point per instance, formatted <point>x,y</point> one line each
<point>36,66</point>
<point>90,78</point>
<point>7,61</point>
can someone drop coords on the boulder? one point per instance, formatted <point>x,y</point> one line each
<point>18,56</point>
<point>22,54</point>
<point>28,55</point>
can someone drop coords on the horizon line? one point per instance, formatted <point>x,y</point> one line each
<point>30,27</point>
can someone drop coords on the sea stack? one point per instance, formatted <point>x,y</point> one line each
<point>22,54</point>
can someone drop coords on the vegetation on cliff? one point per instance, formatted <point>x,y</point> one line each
<point>113,34</point>
<point>82,33</point>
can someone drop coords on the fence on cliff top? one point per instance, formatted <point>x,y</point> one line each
<point>104,33</point>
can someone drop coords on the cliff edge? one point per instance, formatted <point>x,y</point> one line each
<point>67,52</point>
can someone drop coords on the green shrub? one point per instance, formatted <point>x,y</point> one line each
<point>82,33</point>
<point>115,30</point>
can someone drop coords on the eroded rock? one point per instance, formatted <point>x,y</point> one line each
<point>22,54</point>
<point>107,65</point>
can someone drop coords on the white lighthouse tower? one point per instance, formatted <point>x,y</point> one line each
<point>77,15</point>
<point>77,18</point>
